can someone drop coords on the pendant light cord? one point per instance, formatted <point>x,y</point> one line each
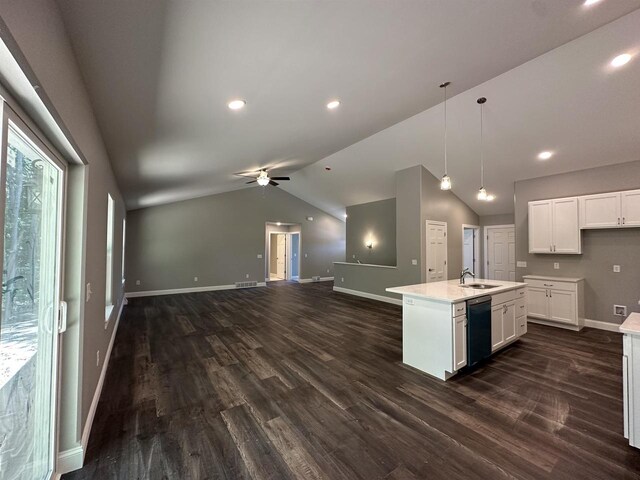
<point>445,129</point>
<point>481,150</point>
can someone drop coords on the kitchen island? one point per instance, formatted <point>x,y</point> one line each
<point>435,323</point>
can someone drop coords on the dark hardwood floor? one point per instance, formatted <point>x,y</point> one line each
<point>296,381</point>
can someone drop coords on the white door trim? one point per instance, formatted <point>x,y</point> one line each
<point>485,242</point>
<point>267,254</point>
<point>476,247</point>
<point>446,248</point>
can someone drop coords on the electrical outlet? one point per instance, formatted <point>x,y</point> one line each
<point>414,262</point>
<point>521,264</point>
<point>137,282</point>
<point>620,310</point>
<point>260,255</point>
<point>556,266</point>
<point>247,275</point>
<point>305,255</point>
<point>98,358</point>
<point>89,292</point>
<point>354,255</point>
<point>328,270</point>
<point>342,280</point>
<point>195,279</point>
<point>408,301</point>
<point>616,269</point>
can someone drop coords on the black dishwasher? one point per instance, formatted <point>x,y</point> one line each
<point>478,329</point>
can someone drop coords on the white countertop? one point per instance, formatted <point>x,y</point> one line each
<point>451,292</point>
<point>631,324</point>
<point>364,264</point>
<point>554,279</point>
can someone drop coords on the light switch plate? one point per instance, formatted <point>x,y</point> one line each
<point>408,301</point>
<point>616,268</point>
<point>556,266</point>
<point>521,264</point>
<point>260,255</point>
<point>414,262</point>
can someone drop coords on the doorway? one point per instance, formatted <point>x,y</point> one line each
<point>283,254</point>
<point>471,248</point>
<point>436,251</point>
<point>500,252</point>
<point>33,183</point>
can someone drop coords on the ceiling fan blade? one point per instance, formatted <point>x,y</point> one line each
<point>247,174</point>
<point>275,184</point>
<point>252,181</point>
<point>280,178</point>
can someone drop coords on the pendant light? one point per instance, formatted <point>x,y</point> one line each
<point>482,193</point>
<point>445,184</point>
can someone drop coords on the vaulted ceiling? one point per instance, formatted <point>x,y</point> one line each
<point>160,74</point>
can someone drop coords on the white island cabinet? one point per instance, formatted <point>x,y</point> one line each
<point>631,378</point>
<point>435,324</point>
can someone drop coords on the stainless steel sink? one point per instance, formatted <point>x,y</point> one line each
<point>479,286</point>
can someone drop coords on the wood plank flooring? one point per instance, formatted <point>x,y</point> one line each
<point>297,381</point>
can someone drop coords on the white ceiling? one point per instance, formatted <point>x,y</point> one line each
<point>161,72</point>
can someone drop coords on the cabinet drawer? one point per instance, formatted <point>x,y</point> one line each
<point>521,325</point>
<point>498,298</point>
<point>521,307</point>
<point>556,285</point>
<point>521,293</point>
<point>459,309</point>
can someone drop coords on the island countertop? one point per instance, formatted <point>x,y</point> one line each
<point>450,291</point>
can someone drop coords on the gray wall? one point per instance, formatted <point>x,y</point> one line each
<point>376,220</point>
<point>418,198</point>
<point>36,35</point>
<point>217,238</point>
<point>601,249</point>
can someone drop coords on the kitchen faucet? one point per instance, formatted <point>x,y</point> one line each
<point>464,273</point>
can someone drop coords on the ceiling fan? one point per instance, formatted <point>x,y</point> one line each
<point>261,177</point>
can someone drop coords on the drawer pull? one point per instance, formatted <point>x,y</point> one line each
<point>548,284</point>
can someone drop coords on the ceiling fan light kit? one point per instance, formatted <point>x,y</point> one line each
<point>262,178</point>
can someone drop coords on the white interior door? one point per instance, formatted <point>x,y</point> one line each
<point>501,253</point>
<point>436,251</point>
<point>281,259</point>
<point>32,203</point>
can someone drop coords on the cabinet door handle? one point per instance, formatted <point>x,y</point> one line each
<point>623,220</point>
<point>618,220</point>
<point>551,248</point>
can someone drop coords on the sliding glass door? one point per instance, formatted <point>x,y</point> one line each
<point>32,201</point>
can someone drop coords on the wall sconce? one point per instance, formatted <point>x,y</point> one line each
<point>369,244</point>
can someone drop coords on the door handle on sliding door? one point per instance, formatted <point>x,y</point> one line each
<point>62,317</point>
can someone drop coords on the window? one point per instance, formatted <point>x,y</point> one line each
<point>110,228</point>
<point>124,238</point>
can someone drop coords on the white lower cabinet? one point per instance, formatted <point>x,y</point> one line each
<point>460,342</point>
<point>631,378</point>
<point>556,300</point>
<point>508,319</point>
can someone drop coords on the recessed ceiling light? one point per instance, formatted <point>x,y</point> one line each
<point>333,104</point>
<point>236,104</point>
<point>588,3</point>
<point>545,155</point>
<point>621,60</point>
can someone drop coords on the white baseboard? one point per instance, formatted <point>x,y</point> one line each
<point>69,460</point>
<point>371,296</point>
<point>600,325</point>
<point>174,291</point>
<point>310,280</point>
<point>73,458</point>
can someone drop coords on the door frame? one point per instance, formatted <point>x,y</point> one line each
<point>8,114</point>
<point>476,246</point>
<point>446,248</point>
<point>485,237</point>
<point>288,261</point>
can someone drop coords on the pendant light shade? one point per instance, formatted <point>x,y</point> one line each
<point>445,183</point>
<point>482,193</point>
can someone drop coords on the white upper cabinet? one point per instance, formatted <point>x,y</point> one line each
<point>600,211</point>
<point>630,206</point>
<point>554,226</point>
<point>565,231</point>
<point>540,225</point>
